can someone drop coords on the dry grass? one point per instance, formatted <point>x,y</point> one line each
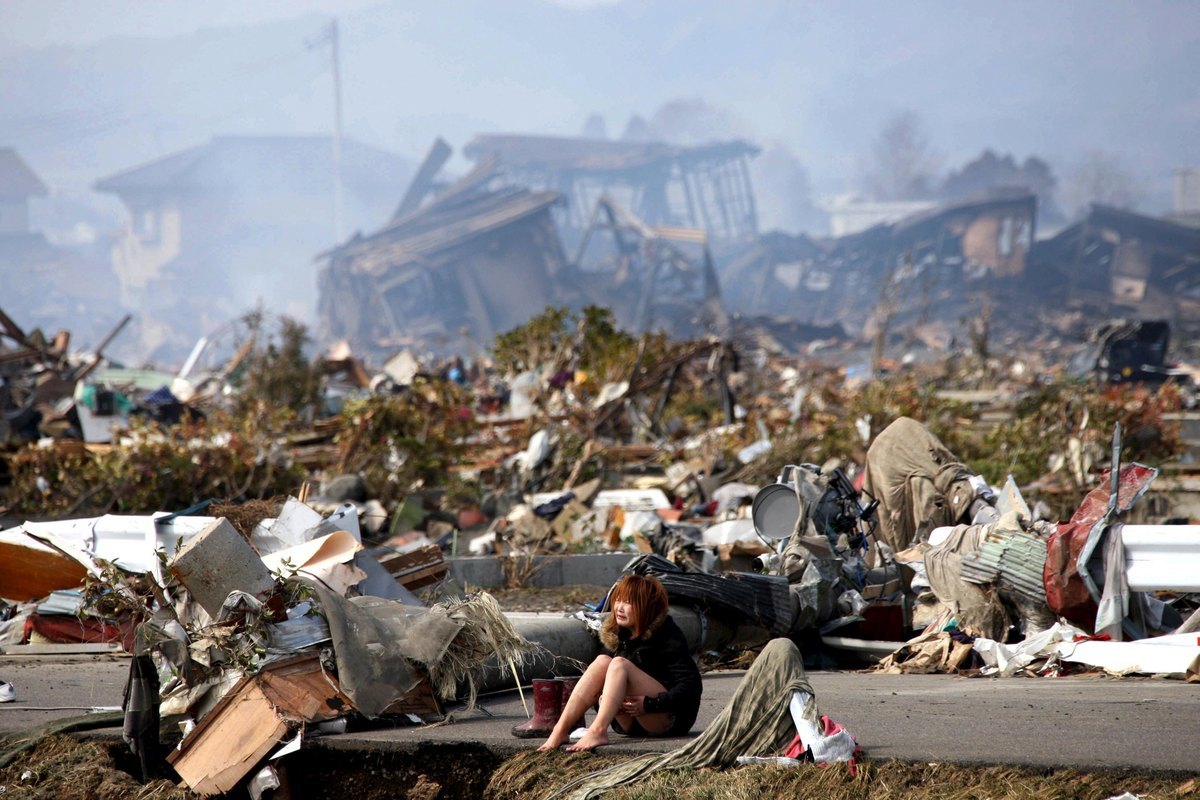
<point>485,634</point>
<point>61,767</point>
<point>549,598</point>
<point>519,570</point>
<point>532,776</point>
<point>246,515</point>
<point>64,768</point>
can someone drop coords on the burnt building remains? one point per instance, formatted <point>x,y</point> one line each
<point>460,262</point>
<point>667,237</point>
<point>703,186</point>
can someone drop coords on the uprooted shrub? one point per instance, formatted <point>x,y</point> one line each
<point>275,371</point>
<point>835,418</point>
<point>1036,440</point>
<point>403,442</point>
<point>152,470</point>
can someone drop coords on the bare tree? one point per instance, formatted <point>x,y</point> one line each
<point>979,332</point>
<point>902,166</point>
<point>783,191</point>
<point>1102,178</point>
<point>893,289</point>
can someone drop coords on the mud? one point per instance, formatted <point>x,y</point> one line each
<point>426,773</point>
<point>68,768</point>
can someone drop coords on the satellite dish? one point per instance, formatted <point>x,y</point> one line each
<point>775,509</point>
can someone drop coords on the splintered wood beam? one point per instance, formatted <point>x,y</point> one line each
<point>435,159</point>
<point>13,329</point>
<point>749,188</point>
<point>99,354</point>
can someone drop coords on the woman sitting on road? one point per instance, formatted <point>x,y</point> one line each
<point>649,686</point>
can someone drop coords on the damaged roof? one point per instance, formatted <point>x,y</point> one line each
<point>1018,201</point>
<point>440,226</point>
<point>594,155</point>
<point>1163,232</point>
<point>16,178</point>
<point>280,160</point>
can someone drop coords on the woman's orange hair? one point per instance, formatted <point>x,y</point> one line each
<point>645,593</point>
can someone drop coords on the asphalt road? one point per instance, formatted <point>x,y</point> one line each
<point>1083,722</point>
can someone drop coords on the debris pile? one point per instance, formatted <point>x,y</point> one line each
<point>668,238</point>
<point>281,620</point>
<point>250,642</point>
<point>1003,592</point>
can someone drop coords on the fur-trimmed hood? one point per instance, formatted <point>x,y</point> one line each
<point>610,638</point>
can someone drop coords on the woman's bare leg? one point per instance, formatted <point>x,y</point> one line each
<point>585,693</point>
<point>623,679</point>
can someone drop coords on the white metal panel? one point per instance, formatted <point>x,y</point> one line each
<point>1162,557</point>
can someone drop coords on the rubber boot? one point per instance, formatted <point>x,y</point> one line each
<point>547,705</point>
<point>568,687</point>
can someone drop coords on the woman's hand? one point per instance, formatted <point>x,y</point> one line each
<point>634,705</point>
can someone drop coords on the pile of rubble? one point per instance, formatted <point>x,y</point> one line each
<point>277,626</point>
<point>290,627</point>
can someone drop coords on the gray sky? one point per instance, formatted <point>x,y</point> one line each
<point>94,86</point>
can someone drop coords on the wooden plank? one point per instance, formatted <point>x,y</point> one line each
<point>422,577</point>
<point>417,568</point>
<point>302,691</point>
<point>230,741</point>
<point>396,563</point>
<point>422,182</point>
<point>243,727</point>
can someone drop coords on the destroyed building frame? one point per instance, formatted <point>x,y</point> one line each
<point>701,186</point>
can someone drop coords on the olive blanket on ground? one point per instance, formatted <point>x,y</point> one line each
<point>756,722</point>
<point>919,483</point>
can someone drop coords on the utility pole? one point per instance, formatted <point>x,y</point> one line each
<point>337,131</point>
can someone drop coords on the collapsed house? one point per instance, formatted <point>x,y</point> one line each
<point>651,276</point>
<point>704,186</point>
<point>918,270</point>
<point>1119,263</point>
<point>680,220</point>
<point>459,264</point>
<point>924,274</point>
<point>483,261</point>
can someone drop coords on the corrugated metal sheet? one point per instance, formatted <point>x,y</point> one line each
<point>1013,559</point>
<point>62,601</point>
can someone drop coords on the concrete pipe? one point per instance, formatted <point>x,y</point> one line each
<point>568,646</point>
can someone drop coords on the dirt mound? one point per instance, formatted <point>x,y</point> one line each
<point>533,775</point>
<point>61,767</point>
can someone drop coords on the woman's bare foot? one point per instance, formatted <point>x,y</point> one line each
<point>554,741</point>
<point>590,741</point>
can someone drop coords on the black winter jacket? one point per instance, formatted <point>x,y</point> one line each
<point>662,653</point>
